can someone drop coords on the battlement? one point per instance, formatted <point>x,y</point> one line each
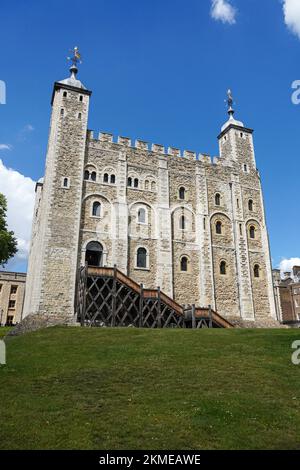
<point>152,148</point>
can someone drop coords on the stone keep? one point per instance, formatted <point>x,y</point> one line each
<point>207,215</point>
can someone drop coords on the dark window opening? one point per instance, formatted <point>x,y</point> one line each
<point>256,271</point>
<point>219,228</point>
<point>141,261</point>
<point>250,205</point>
<point>136,183</point>
<point>10,320</point>
<point>223,268</point>
<point>252,232</point>
<point>218,199</point>
<point>105,178</point>
<point>94,254</point>
<point>129,182</point>
<point>184,264</point>
<point>182,193</point>
<point>112,179</point>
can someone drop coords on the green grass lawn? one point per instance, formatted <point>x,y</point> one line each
<point>4,330</point>
<point>81,388</point>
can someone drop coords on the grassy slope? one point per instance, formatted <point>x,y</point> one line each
<point>4,330</point>
<point>150,389</point>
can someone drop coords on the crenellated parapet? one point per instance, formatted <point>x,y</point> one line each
<point>105,137</point>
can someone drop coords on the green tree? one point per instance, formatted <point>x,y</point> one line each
<point>8,242</point>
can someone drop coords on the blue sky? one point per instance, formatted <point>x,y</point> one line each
<point>159,71</point>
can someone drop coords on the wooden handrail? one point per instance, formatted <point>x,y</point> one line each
<point>155,294</point>
<point>201,312</point>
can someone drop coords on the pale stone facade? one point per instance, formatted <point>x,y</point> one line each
<point>201,221</point>
<point>12,290</point>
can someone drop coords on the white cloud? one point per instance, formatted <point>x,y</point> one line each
<point>28,128</point>
<point>291,10</point>
<point>25,132</point>
<point>286,265</point>
<point>222,10</point>
<point>19,191</point>
<point>5,147</point>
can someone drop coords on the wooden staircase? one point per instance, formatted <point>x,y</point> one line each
<point>107,297</point>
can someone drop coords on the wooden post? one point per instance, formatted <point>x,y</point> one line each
<point>193,316</point>
<point>114,297</point>
<point>210,317</point>
<point>84,283</point>
<point>141,306</point>
<point>158,308</point>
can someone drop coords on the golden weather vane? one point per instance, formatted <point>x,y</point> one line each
<point>75,58</point>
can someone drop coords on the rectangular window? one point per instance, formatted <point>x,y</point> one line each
<point>10,320</point>
<point>0,288</point>
<point>12,304</point>
<point>13,289</point>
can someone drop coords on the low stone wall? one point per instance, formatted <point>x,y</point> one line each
<point>259,323</point>
<point>37,322</point>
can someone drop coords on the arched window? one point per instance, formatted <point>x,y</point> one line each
<point>105,178</point>
<point>66,183</point>
<point>93,176</point>
<point>256,270</point>
<point>250,205</point>
<point>146,184</point>
<point>223,268</point>
<point>112,179</point>
<point>142,215</point>
<point>153,186</point>
<point>182,222</point>
<point>136,183</point>
<point>65,94</point>
<point>252,232</point>
<point>129,182</point>
<point>182,193</point>
<point>86,175</point>
<point>96,209</point>
<point>218,199</point>
<point>94,254</point>
<point>141,258</point>
<point>62,111</point>
<point>184,264</point>
<point>79,116</point>
<point>219,228</point>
